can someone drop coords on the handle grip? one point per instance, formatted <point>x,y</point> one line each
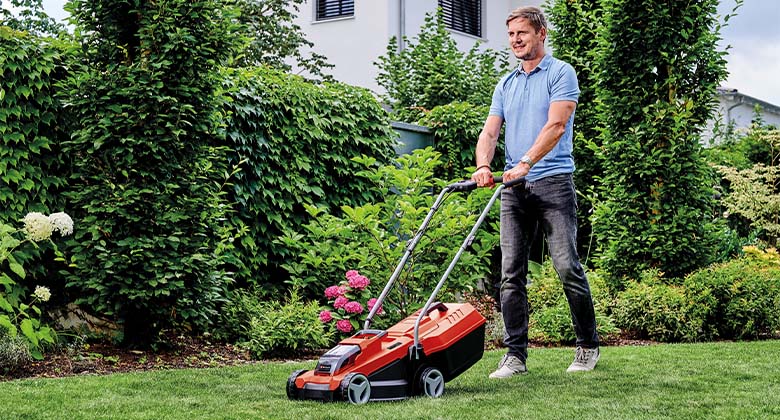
<point>468,185</point>
<point>512,183</point>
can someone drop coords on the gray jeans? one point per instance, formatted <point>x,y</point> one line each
<point>551,203</point>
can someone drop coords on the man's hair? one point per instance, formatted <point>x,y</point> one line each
<point>534,15</point>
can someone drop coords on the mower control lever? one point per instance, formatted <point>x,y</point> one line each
<point>438,305</point>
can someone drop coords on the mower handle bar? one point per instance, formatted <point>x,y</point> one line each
<point>462,186</point>
<point>468,185</point>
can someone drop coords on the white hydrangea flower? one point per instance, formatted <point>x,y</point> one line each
<point>62,223</point>
<point>37,226</point>
<point>43,293</point>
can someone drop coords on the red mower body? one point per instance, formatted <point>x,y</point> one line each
<point>382,365</point>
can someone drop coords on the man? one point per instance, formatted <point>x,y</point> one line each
<point>537,102</point>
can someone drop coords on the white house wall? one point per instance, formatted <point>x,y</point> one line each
<point>354,43</point>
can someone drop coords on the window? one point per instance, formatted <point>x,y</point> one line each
<point>331,9</point>
<point>463,15</point>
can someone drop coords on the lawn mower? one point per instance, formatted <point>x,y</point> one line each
<point>418,355</point>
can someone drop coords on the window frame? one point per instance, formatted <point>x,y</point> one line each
<point>345,10</point>
<point>461,25</point>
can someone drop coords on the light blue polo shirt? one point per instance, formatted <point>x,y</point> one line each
<point>522,100</point>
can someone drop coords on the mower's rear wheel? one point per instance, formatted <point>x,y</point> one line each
<point>292,390</point>
<point>431,382</point>
<point>356,388</point>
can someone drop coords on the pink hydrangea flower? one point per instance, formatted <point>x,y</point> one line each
<point>371,302</point>
<point>353,307</point>
<point>358,282</point>
<point>352,273</point>
<point>332,292</point>
<point>325,317</point>
<point>344,325</point>
<point>340,302</point>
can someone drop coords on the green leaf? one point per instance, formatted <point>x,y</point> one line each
<point>27,329</point>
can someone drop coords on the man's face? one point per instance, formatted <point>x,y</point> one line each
<point>526,43</point>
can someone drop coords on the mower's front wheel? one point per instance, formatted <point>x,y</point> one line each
<point>356,388</point>
<point>431,382</point>
<point>292,390</point>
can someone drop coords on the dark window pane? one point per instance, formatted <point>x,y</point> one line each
<point>463,15</point>
<point>329,9</point>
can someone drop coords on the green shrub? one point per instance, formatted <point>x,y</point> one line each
<point>751,194</point>
<point>147,171</point>
<point>657,311</point>
<point>754,308</point>
<point>293,156</point>
<point>28,126</point>
<point>14,352</point>
<point>433,72</point>
<point>284,329</point>
<point>656,87</point>
<point>739,299</point>
<point>20,315</point>
<point>456,127</point>
<point>550,316</point>
<point>372,238</point>
<point>31,166</point>
<point>240,307</point>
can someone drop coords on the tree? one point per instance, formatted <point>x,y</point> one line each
<point>659,68</point>
<point>32,18</point>
<point>275,38</point>
<point>574,38</point>
<point>146,167</point>
<point>434,72</point>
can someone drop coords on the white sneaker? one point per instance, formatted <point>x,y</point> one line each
<point>509,366</point>
<point>584,360</point>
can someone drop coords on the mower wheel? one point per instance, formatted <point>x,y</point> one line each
<point>431,382</point>
<point>292,390</point>
<point>355,388</point>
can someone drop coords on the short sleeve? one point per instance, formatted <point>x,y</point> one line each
<point>564,85</point>
<point>497,104</point>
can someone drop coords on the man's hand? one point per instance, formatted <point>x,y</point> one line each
<point>519,171</point>
<point>483,177</point>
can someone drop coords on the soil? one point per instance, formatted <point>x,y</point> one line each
<point>184,352</point>
<point>105,358</point>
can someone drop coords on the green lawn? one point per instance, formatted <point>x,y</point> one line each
<point>684,381</point>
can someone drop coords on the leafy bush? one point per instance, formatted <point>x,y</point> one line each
<point>656,89</point>
<point>276,39</point>
<point>31,18</point>
<point>456,127</point>
<point>657,311</point>
<point>14,352</point>
<point>372,237</point>
<point>739,299</point>
<point>550,316</point>
<point>293,157</point>
<point>28,124</point>
<point>17,314</point>
<point>30,133</point>
<point>146,172</point>
<point>752,193</point>
<point>286,328</point>
<point>574,39</point>
<point>433,72</point>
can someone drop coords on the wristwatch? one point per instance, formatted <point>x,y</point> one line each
<point>527,160</point>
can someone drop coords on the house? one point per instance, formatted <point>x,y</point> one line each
<point>353,34</point>
<point>737,110</point>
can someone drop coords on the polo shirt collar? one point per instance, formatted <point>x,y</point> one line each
<point>543,65</point>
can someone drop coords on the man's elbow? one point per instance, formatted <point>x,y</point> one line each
<point>557,128</point>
